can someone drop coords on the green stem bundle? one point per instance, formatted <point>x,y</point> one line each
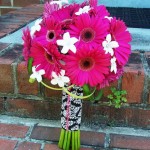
<point>69,140</point>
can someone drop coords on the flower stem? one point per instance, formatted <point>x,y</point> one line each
<point>65,140</point>
<point>79,139</point>
<point>73,140</point>
<point>61,140</point>
<point>68,140</point>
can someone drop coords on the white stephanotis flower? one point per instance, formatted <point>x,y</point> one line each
<point>85,9</point>
<point>113,65</point>
<point>60,2</point>
<point>68,43</point>
<point>109,45</point>
<point>60,79</point>
<point>37,74</point>
<point>36,27</point>
<point>109,18</point>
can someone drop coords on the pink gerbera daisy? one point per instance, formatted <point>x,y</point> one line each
<point>90,31</point>
<point>93,3</point>
<point>99,11</point>
<point>49,9</point>
<point>50,31</point>
<point>87,67</point>
<point>27,43</point>
<point>120,34</point>
<point>111,77</point>
<point>47,58</point>
<point>66,12</point>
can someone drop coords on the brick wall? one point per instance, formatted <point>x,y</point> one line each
<point>20,98</point>
<point>10,5</point>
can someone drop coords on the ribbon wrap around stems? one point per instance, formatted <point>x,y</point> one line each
<point>71,111</point>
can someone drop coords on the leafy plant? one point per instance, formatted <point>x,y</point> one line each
<point>117,98</point>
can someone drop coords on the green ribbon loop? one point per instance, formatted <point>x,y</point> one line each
<point>78,97</point>
<point>66,90</point>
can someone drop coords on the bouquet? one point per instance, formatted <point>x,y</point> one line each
<point>77,47</point>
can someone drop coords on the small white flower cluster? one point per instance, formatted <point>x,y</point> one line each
<point>85,9</point>
<point>109,46</point>
<point>60,79</point>
<point>36,27</point>
<point>36,74</point>
<point>68,43</point>
<point>60,2</point>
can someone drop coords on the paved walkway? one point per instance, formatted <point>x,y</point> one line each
<point>29,134</point>
<point>41,134</point>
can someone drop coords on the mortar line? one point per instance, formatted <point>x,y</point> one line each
<point>15,82</point>
<point>107,140</point>
<point>146,79</point>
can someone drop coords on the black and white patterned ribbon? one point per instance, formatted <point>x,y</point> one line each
<point>71,109</point>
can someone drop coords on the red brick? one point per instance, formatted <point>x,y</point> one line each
<point>89,148</point>
<point>134,117</point>
<point>51,147</point>
<point>2,34</point>
<point>12,130</point>
<point>129,142</point>
<point>23,3</point>
<point>97,115</point>
<point>3,45</point>
<point>138,117</point>
<point>12,54</point>
<point>6,10</point>
<point>31,15</point>
<point>1,104</point>
<point>5,2</point>
<point>46,133</point>
<point>133,78</point>
<point>29,146</point>
<point>24,87</point>
<point>51,93</point>
<point>6,76</point>
<point>147,56</point>
<point>133,82</point>
<point>6,79</point>
<point>92,138</point>
<point>7,144</point>
<point>107,90</point>
<point>55,147</point>
<point>25,15</point>
<point>34,108</point>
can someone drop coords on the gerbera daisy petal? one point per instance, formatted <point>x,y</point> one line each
<point>120,34</point>
<point>83,67</point>
<point>90,31</point>
<point>47,57</point>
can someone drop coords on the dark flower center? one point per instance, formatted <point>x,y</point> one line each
<point>87,34</point>
<point>50,35</point>
<point>86,64</point>
<point>49,58</point>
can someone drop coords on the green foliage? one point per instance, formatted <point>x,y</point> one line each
<point>117,98</point>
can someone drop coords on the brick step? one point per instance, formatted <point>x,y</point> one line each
<point>20,98</point>
<point>40,134</point>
